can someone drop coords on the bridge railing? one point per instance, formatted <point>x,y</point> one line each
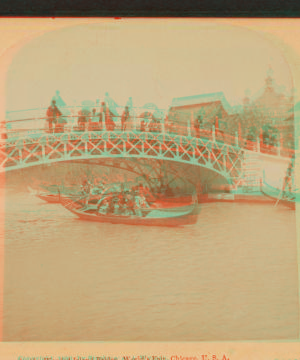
<point>139,119</point>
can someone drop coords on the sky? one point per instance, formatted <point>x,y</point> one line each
<point>151,62</point>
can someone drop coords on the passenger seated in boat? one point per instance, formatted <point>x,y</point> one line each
<point>140,203</point>
<point>103,208</point>
<point>126,211</point>
<point>110,209</point>
<point>98,189</point>
<point>116,206</point>
<point>142,199</point>
<point>128,203</point>
<point>121,203</point>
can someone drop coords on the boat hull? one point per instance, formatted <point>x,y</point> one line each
<point>50,198</point>
<point>153,217</point>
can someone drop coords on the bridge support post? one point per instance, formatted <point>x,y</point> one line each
<point>43,152</point>
<point>189,125</point>
<point>225,156</point>
<point>236,138</point>
<point>105,114</point>
<point>163,125</point>
<point>21,157</point>
<point>214,133</point>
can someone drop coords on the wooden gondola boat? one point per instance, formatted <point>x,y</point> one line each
<point>276,194</point>
<point>150,217</point>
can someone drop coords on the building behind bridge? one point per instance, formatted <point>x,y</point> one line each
<point>212,108</point>
<point>270,108</point>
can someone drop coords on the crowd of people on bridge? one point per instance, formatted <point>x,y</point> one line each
<point>106,118</point>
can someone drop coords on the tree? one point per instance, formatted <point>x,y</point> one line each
<point>253,133</point>
<point>270,135</point>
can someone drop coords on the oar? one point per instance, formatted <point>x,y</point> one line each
<point>279,198</point>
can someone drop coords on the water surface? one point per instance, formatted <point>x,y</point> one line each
<point>232,276</point>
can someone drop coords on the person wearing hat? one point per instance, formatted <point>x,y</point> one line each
<point>124,202</point>
<point>109,123</point>
<point>59,100</point>
<point>142,198</point>
<point>53,113</point>
<point>101,116</point>
<point>129,103</point>
<point>143,125</point>
<point>139,202</point>
<point>124,118</point>
<point>92,121</point>
<point>129,201</point>
<point>197,125</point>
<point>115,206</point>
<point>103,207</point>
<point>83,118</point>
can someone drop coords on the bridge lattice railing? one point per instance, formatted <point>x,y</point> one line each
<point>33,121</point>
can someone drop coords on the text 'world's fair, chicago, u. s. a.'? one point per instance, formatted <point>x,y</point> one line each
<point>207,356</point>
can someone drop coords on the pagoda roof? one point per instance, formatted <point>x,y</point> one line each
<point>202,99</point>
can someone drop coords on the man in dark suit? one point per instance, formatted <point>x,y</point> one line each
<point>53,113</point>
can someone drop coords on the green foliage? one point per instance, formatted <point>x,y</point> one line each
<point>270,135</point>
<point>252,133</point>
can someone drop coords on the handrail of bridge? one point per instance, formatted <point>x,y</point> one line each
<point>75,110</point>
<point>162,126</point>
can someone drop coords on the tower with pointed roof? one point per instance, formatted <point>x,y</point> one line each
<point>272,105</point>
